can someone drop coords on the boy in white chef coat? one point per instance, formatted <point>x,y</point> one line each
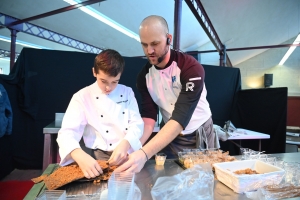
<point>105,114</point>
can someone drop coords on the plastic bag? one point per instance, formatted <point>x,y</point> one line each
<point>229,127</point>
<point>221,133</point>
<point>194,183</point>
<point>272,192</point>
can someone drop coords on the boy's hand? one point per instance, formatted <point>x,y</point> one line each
<point>119,155</point>
<point>87,164</point>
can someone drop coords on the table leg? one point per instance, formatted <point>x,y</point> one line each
<point>47,151</point>
<point>50,150</point>
<point>54,148</point>
<point>238,145</point>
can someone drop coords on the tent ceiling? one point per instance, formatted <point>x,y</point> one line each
<point>238,23</point>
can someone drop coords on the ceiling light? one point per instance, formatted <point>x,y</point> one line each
<point>96,14</point>
<point>25,44</point>
<point>290,51</point>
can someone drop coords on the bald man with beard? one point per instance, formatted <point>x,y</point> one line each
<point>172,82</point>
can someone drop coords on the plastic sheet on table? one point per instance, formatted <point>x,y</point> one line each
<point>272,192</point>
<point>52,194</point>
<point>194,183</point>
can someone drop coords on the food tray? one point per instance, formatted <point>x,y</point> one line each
<point>179,163</point>
<point>268,175</point>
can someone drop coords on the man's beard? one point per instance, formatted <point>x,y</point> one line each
<point>151,61</point>
<point>159,59</point>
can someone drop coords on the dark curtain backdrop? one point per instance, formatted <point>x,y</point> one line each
<point>222,84</point>
<point>265,111</point>
<point>41,84</point>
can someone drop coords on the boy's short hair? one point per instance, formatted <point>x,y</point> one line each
<point>110,62</point>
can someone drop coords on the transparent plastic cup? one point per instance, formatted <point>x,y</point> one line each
<point>121,186</point>
<point>160,158</point>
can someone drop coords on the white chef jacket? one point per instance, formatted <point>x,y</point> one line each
<point>102,120</point>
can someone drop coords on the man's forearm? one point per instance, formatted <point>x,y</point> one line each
<point>165,136</point>
<point>148,129</point>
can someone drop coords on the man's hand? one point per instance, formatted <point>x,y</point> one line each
<point>87,164</point>
<point>119,155</point>
<point>137,159</point>
<point>134,164</point>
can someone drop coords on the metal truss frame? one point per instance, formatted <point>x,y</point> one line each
<point>199,12</point>
<point>52,36</point>
<point>5,53</point>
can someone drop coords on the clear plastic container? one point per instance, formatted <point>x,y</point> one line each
<point>121,186</point>
<point>160,158</point>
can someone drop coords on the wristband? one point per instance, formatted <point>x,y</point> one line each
<point>144,153</point>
